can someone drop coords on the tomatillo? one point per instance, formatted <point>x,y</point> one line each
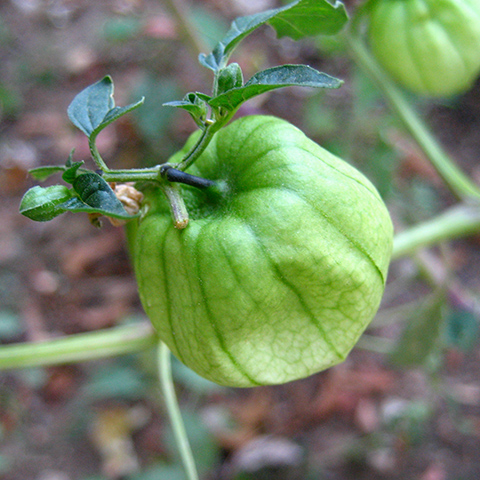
<point>282,266</point>
<point>431,47</point>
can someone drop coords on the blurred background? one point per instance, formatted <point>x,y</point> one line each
<point>405,404</point>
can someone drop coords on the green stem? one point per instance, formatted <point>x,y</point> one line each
<point>453,177</point>
<point>202,143</point>
<point>96,154</point>
<point>79,347</point>
<point>133,175</point>
<point>177,205</point>
<point>166,380</point>
<point>457,222</point>
<point>179,11</point>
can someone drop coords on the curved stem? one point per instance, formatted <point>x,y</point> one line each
<point>79,347</point>
<point>166,380</point>
<point>457,222</point>
<point>96,154</point>
<point>200,146</point>
<point>453,177</point>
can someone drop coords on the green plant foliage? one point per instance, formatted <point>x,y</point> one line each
<point>462,329</point>
<point>272,79</point>
<point>94,108</point>
<point>118,380</point>
<point>43,204</point>
<point>298,19</point>
<point>423,334</point>
<point>10,325</point>
<point>170,472</point>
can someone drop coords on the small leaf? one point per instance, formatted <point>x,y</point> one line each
<point>95,196</point>
<point>297,20</point>
<point>230,77</point>
<point>422,335</point>
<point>462,329</point>
<point>42,204</point>
<point>274,78</point>
<point>94,107</point>
<point>91,105</point>
<point>194,103</point>
<point>71,171</point>
<point>116,113</point>
<point>42,173</point>
<point>11,325</point>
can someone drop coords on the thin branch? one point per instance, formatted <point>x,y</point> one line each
<point>166,380</point>
<point>454,178</point>
<point>459,221</point>
<point>79,347</point>
<point>187,30</point>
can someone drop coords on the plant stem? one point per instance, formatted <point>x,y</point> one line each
<point>96,154</point>
<point>457,222</point>
<point>133,175</point>
<point>79,347</point>
<point>200,146</point>
<point>177,176</point>
<point>453,177</point>
<point>179,11</point>
<point>177,205</point>
<point>166,380</point>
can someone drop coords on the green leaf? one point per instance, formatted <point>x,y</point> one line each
<point>117,380</point>
<point>71,171</point>
<point>422,335</point>
<point>42,173</point>
<point>309,18</point>
<point>94,107</point>
<point>273,78</point>
<point>95,196</point>
<point>90,194</point>
<point>297,19</point>
<point>172,472</point>
<point>229,77</point>
<point>11,325</point>
<point>194,103</point>
<point>462,329</point>
<point>42,204</point>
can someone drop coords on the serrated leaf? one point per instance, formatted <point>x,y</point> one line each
<point>298,19</point>
<point>42,204</point>
<point>95,196</point>
<point>42,173</point>
<point>94,107</point>
<point>274,78</point>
